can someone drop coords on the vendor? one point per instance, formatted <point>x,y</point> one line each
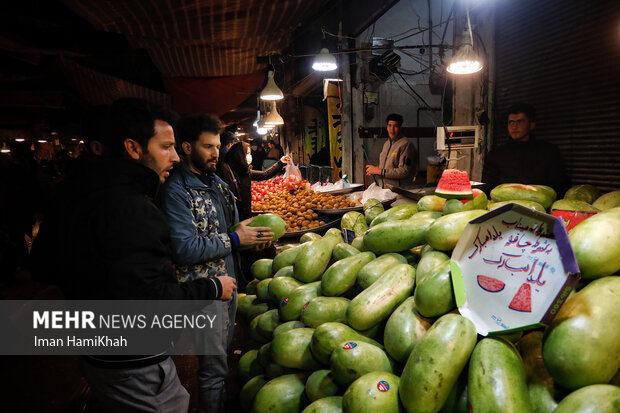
<point>524,159</point>
<point>397,161</point>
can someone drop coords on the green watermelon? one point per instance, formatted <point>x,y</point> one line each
<point>542,194</point>
<point>354,221</point>
<point>273,221</point>
<point>454,184</point>
<point>586,193</point>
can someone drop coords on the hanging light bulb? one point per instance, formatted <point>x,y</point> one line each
<point>465,61</point>
<point>273,118</point>
<point>324,61</point>
<point>271,90</point>
<point>258,125</point>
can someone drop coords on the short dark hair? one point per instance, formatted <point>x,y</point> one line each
<point>190,127</point>
<point>227,137</point>
<point>520,107</point>
<point>133,118</point>
<point>394,117</point>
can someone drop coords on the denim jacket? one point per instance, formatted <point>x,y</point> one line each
<point>201,244</point>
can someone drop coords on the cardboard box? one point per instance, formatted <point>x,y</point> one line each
<point>512,268</point>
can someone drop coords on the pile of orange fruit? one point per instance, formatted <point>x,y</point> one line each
<point>297,207</point>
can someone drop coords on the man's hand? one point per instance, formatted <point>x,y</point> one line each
<point>229,285</point>
<point>253,235</point>
<point>285,159</point>
<point>373,170</point>
<point>261,246</point>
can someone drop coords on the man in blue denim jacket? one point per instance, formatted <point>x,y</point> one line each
<point>201,210</point>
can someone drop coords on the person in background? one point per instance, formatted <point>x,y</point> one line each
<point>115,245</point>
<point>258,154</point>
<point>227,139</point>
<point>97,129</point>
<point>398,158</point>
<point>275,150</point>
<point>201,211</point>
<point>525,159</point>
<point>237,159</point>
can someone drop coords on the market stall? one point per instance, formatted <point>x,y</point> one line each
<point>452,303</point>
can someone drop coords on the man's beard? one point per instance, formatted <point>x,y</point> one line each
<point>202,164</point>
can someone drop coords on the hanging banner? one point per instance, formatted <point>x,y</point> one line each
<point>334,120</point>
<point>315,132</point>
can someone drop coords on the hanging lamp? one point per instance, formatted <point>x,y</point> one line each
<point>273,118</point>
<point>465,61</point>
<point>324,61</point>
<point>271,91</point>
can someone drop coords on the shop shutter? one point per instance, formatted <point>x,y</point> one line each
<point>564,58</point>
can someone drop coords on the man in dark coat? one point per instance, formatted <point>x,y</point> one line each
<point>525,159</point>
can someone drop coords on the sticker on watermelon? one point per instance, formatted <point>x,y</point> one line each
<point>285,302</point>
<point>350,345</point>
<point>383,386</point>
<point>490,284</point>
<point>522,301</point>
<point>454,184</point>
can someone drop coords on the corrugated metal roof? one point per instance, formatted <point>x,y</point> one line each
<point>201,38</point>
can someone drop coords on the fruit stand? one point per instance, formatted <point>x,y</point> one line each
<point>374,324</point>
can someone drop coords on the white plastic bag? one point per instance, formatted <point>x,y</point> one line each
<point>292,173</point>
<point>378,193</point>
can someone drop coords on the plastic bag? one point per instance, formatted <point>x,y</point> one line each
<point>378,193</point>
<point>292,174</point>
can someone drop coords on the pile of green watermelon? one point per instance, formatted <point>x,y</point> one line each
<point>373,326</point>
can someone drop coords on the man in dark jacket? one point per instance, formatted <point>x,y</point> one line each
<point>116,245</point>
<point>525,159</point>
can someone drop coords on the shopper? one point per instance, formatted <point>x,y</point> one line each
<point>525,159</point>
<point>398,158</point>
<point>116,245</point>
<point>237,160</point>
<point>200,210</point>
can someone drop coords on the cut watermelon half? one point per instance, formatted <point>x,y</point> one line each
<point>454,184</point>
<point>522,301</point>
<point>490,284</point>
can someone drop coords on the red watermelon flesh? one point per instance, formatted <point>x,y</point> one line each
<point>454,184</point>
<point>490,284</point>
<point>522,301</point>
<point>526,187</point>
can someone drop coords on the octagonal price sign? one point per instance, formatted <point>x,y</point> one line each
<point>512,268</point>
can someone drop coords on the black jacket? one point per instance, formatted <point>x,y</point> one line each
<point>112,241</point>
<point>533,162</point>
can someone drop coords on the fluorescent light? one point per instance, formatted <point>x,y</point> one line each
<point>20,140</point>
